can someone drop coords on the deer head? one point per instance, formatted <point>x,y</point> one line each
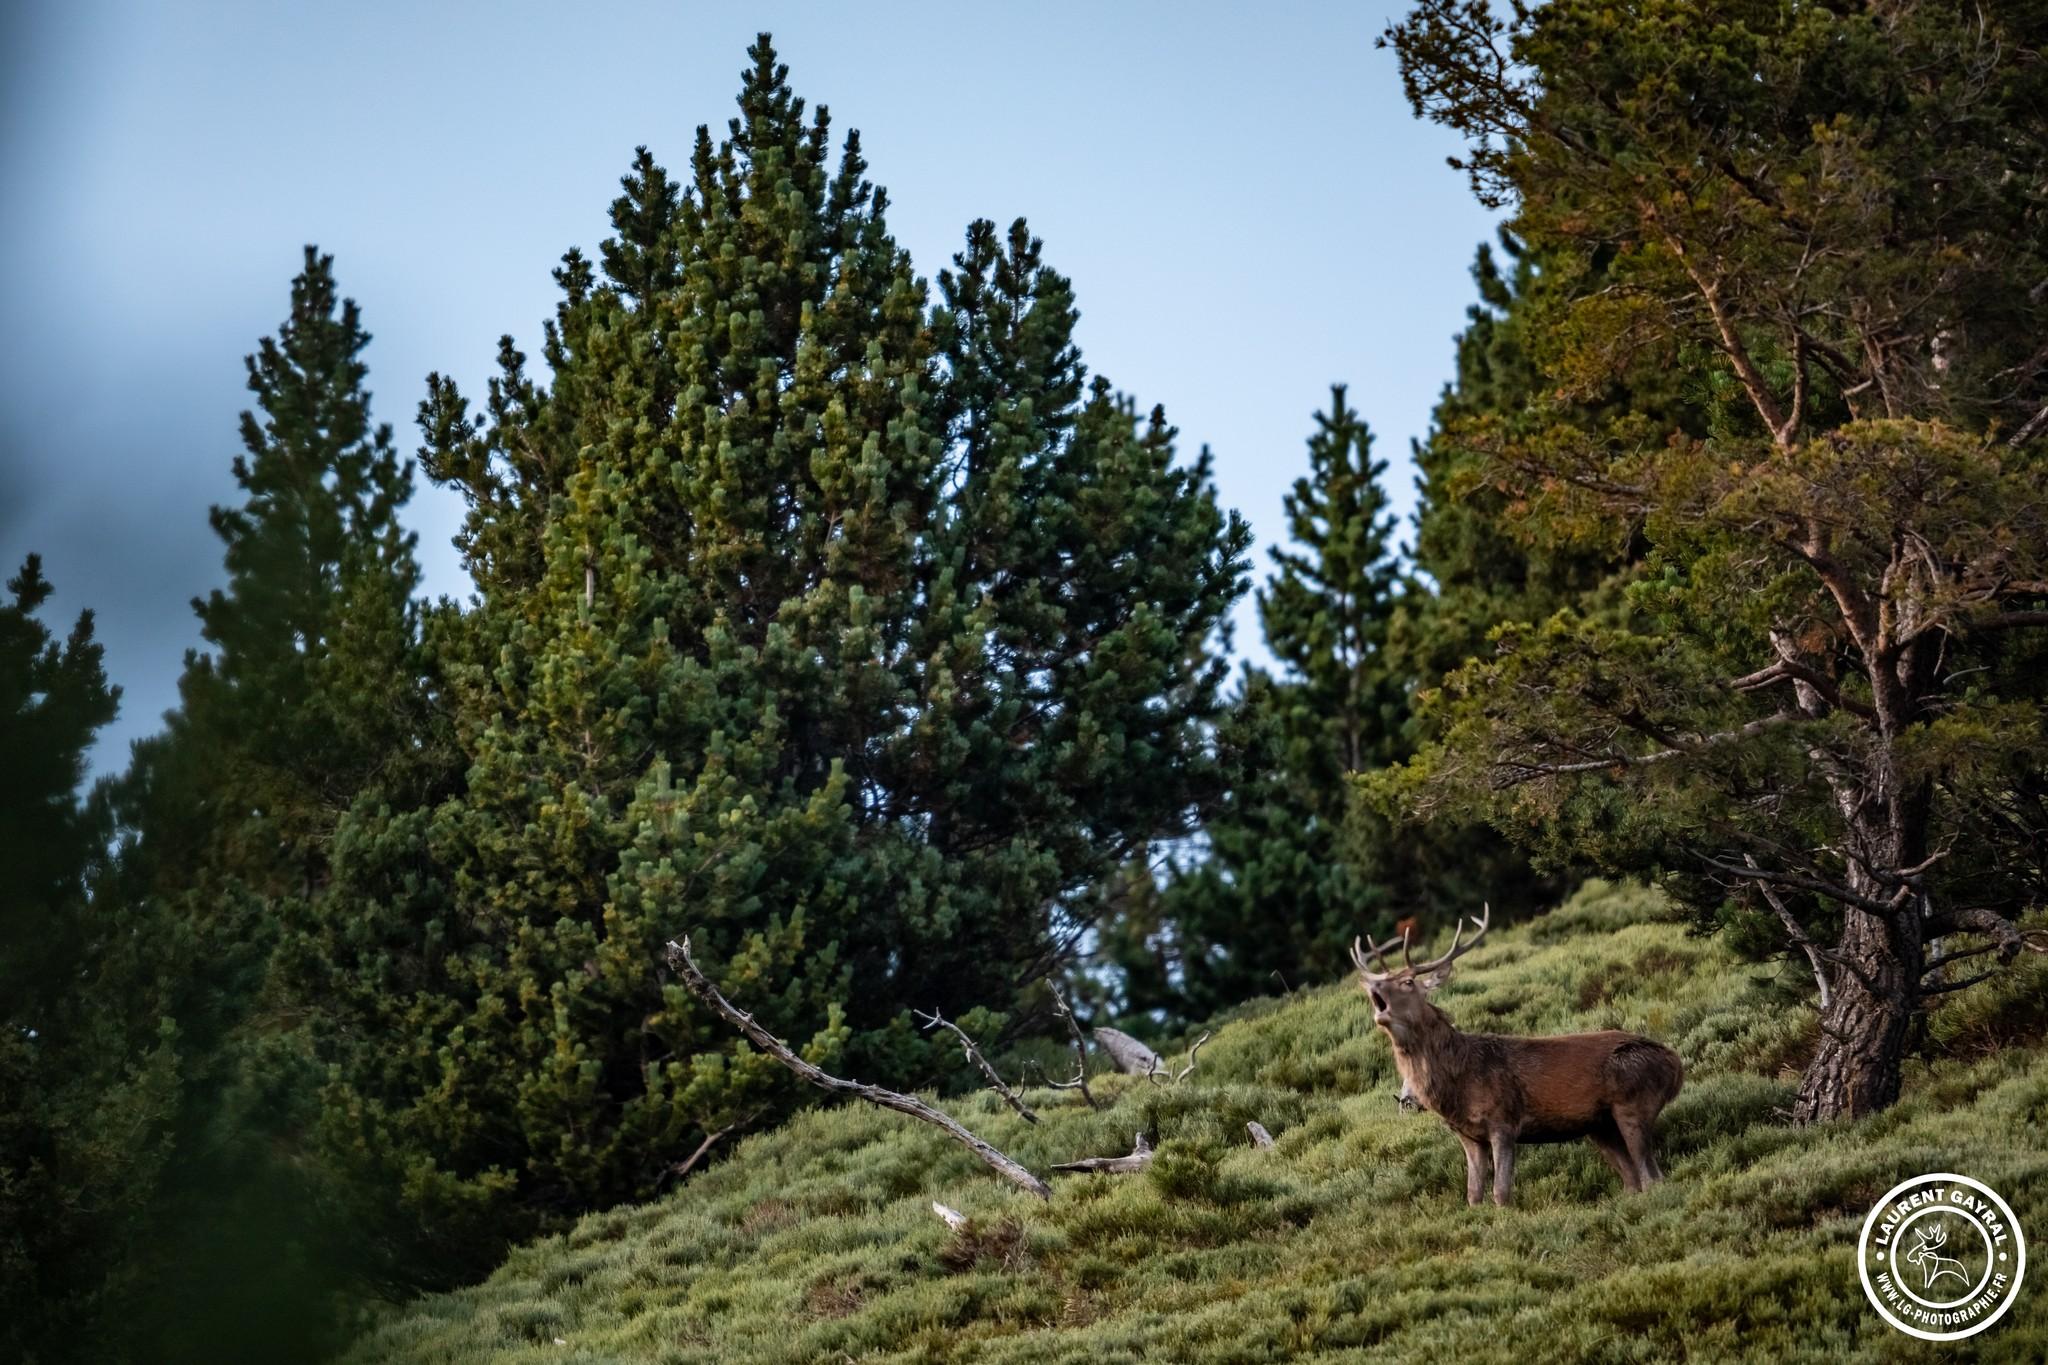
<point>1932,1239</point>
<point>1400,997</point>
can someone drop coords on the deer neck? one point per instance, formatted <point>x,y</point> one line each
<point>1430,1058</point>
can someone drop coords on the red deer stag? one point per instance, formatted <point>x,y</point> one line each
<point>1495,1092</point>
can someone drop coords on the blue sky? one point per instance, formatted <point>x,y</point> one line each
<point>1244,203</point>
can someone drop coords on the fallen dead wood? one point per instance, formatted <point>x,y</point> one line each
<point>700,986</point>
<point>1140,1157</point>
<point>995,1080</point>
<point>1132,1057</point>
<point>953,1217</point>
<point>1261,1139</point>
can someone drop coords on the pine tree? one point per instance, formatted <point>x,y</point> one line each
<point>53,700</point>
<point>84,1116</point>
<point>854,635</point>
<point>311,635</point>
<point>1275,895</point>
<point>1773,717</point>
<point>310,696</point>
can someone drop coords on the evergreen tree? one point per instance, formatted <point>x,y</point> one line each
<point>310,696</point>
<point>53,700</point>
<point>1774,716</point>
<point>84,1117</point>
<point>1275,897</point>
<point>854,635</point>
<point>305,694</point>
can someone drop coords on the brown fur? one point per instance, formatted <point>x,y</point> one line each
<point>1496,1092</point>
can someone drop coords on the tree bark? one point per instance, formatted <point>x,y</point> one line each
<point>1858,1067</point>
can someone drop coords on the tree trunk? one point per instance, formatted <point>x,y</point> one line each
<point>1856,1071</point>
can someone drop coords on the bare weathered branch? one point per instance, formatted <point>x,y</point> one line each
<point>952,1218</point>
<point>700,986</point>
<point>1162,1074</point>
<point>2033,427</point>
<point>1080,1080</point>
<point>1799,881</point>
<point>1794,670</point>
<point>1140,1157</point>
<point>1940,960</point>
<point>1976,919</point>
<point>2006,620</point>
<point>995,1081</point>
<point>1798,935</point>
<point>711,1139</point>
<point>1261,1139</point>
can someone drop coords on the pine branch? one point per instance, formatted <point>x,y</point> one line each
<point>1140,1157</point>
<point>1943,988</point>
<point>1528,771</point>
<point>1834,891</point>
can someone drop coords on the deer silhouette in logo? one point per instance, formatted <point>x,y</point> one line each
<point>1926,1254</point>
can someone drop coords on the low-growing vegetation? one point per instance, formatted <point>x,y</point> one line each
<point>1350,1239</point>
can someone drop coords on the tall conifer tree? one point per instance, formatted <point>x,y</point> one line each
<point>84,1117</point>
<point>855,635</point>
<point>309,696</point>
<point>1275,894</point>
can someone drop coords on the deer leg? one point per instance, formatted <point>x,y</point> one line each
<point>1475,1169</point>
<point>1608,1141</point>
<point>1503,1166</point>
<point>1635,1131</point>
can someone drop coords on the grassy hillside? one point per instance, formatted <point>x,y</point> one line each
<point>816,1242</point>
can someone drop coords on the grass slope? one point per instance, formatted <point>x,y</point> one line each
<point>816,1242</point>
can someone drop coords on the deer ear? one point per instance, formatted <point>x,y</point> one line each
<point>1434,979</point>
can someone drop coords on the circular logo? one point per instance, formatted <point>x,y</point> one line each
<point>1941,1257</point>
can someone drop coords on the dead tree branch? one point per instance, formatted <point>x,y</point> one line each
<point>1139,1158</point>
<point>995,1081</point>
<point>1261,1139</point>
<point>1161,1075</point>
<point>2008,937</point>
<point>1080,1080</point>
<point>689,1163</point>
<point>1797,934</point>
<point>700,986</point>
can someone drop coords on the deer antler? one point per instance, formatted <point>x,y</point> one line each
<point>1458,947</point>
<point>1364,951</point>
<point>1934,1237</point>
<point>1379,954</point>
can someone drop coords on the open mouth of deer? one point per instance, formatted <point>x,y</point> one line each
<point>1379,1004</point>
